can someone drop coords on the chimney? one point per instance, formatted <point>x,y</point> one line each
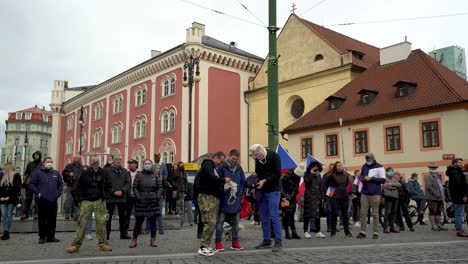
<point>395,53</point>
<point>195,33</point>
<point>233,44</point>
<point>43,108</point>
<point>155,53</point>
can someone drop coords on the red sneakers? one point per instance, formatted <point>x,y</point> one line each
<point>219,246</point>
<point>236,246</point>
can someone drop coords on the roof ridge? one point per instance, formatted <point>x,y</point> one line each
<point>305,22</point>
<point>426,58</point>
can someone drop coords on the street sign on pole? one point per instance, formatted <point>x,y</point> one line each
<point>448,156</point>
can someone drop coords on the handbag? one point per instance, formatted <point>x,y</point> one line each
<point>284,204</point>
<point>175,195</point>
<point>387,193</point>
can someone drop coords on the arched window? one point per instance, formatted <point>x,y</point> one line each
<point>166,88</point>
<point>172,90</point>
<point>172,121</point>
<point>318,57</point>
<point>164,157</point>
<point>138,98</point>
<point>142,127</point>
<point>69,147</point>
<point>140,159</point>
<point>143,96</point>
<point>165,125</point>
<point>170,158</point>
<point>97,138</point>
<point>118,102</point>
<point>137,129</point>
<point>98,111</point>
<point>116,134</point>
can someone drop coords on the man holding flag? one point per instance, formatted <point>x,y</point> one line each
<point>268,170</point>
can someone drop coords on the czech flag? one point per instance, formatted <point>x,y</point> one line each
<point>358,182</point>
<point>286,161</point>
<point>330,192</point>
<point>301,192</point>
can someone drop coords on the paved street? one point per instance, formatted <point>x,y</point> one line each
<point>178,246</point>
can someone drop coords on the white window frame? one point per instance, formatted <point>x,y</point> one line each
<point>172,86</point>
<point>117,103</point>
<point>171,121</point>
<point>97,143</point>
<point>28,116</point>
<point>19,115</point>
<point>45,118</point>
<point>165,88</point>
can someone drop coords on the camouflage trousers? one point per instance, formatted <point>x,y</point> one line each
<point>209,209</point>
<point>100,212</point>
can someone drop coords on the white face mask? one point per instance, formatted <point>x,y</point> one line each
<point>148,167</point>
<point>433,171</point>
<point>48,166</point>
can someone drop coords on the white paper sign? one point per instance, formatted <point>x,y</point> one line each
<point>377,173</point>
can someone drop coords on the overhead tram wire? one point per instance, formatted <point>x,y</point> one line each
<point>248,10</point>
<point>223,13</point>
<point>319,3</point>
<point>398,19</point>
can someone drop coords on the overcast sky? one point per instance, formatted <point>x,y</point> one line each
<point>89,41</point>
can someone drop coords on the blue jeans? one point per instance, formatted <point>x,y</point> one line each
<point>160,217</point>
<point>269,209</point>
<point>459,211</point>
<point>233,220</point>
<point>7,215</point>
<point>421,203</point>
<point>89,226</point>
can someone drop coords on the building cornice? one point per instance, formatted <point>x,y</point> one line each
<point>158,64</point>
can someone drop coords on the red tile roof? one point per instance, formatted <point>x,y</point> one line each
<point>344,44</point>
<point>35,110</point>
<point>435,86</point>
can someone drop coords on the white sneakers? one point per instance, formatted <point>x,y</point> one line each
<point>307,235</point>
<point>357,224</point>
<point>319,235</point>
<point>89,237</point>
<point>207,252</point>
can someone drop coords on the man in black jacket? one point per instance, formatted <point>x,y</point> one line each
<point>71,172</point>
<point>29,195</point>
<point>119,181</point>
<point>209,189</point>
<point>458,192</point>
<point>268,170</point>
<point>91,186</point>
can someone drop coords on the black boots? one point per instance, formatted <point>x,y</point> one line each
<point>6,235</point>
<point>420,219</point>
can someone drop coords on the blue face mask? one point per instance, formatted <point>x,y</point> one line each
<point>390,174</point>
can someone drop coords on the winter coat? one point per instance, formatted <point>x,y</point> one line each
<point>373,186</point>
<point>290,183</point>
<point>189,192</point>
<point>394,186</point>
<point>269,170</point>
<point>415,190</point>
<point>433,192</point>
<point>147,188</point>
<point>207,179</point>
<point>403,192</point>
<point>177,181</point>
<point>31,168</point>
<point>71,181</point>
<point>342,189</point>
<point>313,195</point>
<point>119,180</point>
<point>91,185</point>
<point>12,191</point>
<point>457,184</point>
<point>47,183</point>
<point>236,174</point>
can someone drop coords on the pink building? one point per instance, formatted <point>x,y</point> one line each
<point>145,110</point>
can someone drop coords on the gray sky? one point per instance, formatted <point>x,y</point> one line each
<point>89,41</point>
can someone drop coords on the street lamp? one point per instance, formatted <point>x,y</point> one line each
<point>26,141</point>
<point>191,68</point>
<point>81,122</point>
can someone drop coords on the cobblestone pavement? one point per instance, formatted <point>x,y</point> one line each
<point>179,246</point>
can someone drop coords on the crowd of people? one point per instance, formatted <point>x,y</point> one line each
<point>222,194</point>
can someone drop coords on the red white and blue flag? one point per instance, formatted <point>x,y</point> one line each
<point>287,162</point>
<point>358,182</point>
<point>330,192</point>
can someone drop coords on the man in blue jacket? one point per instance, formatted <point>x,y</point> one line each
<point>370,195</point>
<point>47,184</point>
<point>230,205</point>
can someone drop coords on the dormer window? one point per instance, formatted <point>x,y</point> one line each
<point>335,102</point>
<point>318,57</point>
<point>357,54</point>
<point>405,88</point>
<point>367,96</point>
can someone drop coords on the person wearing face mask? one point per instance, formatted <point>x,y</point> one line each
<point>390,194</point>
<point>71,172</point>
<point>92,188</point>
<point>130,201</point>
<point>147,188</point>
<point>417,195</point>
<point>458,192</point>
<point>339,180</point>
<point>47,184</point>
<point>370,195</point>
<point>119,179</point>
<point>435,197</point>
<point>313,200</point>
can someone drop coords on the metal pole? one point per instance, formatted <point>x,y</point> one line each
<point>273,119</point>
<point>190,120</point>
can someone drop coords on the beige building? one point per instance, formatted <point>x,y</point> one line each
<point>314,62</point>
<point>408,110</point>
